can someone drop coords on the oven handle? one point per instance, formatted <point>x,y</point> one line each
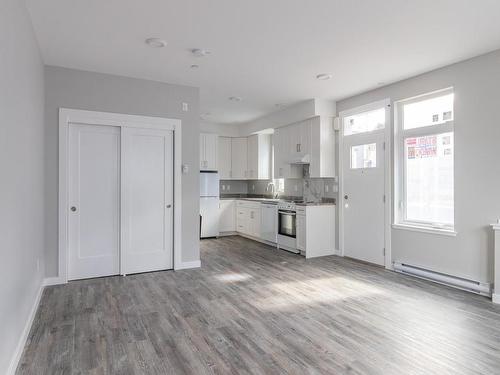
<point>291,213</point>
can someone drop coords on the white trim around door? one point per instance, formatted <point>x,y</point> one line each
<point>386,103</point>
<point>68,116</point>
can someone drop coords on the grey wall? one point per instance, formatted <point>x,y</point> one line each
<point>21,171</point>
<point>477,167</point>
<point>76,89</point>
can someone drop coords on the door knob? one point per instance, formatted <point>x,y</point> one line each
<point>169,205</point>
<point>346,197</point>
<point>73,209</point>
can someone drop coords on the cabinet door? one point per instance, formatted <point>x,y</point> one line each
<point>203,161</point>
<point>211,151</point>
<point>224,158</point>
<point>253,156</point>
<point>242,220</point>
<point>301,232</point>
<point>255,222</point>
<point>277,146</point>
<point>293,141</point>
<point>305,128</point>
<point>227,216</point>
<point>239,158</point>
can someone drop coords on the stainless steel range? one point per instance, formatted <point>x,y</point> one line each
<point>287,226</point>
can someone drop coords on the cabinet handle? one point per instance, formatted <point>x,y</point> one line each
<point>300,146</point>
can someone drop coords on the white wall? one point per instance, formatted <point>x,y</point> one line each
<point>289,115</point>
<point>77,89</point>
<point>21,173</point>
<point>477,168</point>
<point>224,130</point>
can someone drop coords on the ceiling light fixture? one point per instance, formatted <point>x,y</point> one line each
<point>324,76</point>
<point>156,42</point>
<point>235,98</point>
<point>199,52</point>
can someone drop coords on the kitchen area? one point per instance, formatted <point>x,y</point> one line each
<point>276,186</point>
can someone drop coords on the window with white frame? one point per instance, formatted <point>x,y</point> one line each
<point>425,159</point>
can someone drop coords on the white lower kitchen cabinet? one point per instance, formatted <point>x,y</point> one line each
<point>316,230</point>
<point>227,216</point>
<point>248,218</point>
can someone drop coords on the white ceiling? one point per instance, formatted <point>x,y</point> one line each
<point>265,51</point>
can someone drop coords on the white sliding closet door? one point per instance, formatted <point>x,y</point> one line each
<point>94,201</point>
<point>147,200</point>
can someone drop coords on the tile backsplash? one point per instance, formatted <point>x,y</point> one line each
<point>312,189</point>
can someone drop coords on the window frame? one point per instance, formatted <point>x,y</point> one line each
<point>400,161</point>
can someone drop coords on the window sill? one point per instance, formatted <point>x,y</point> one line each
<point>424,229</point>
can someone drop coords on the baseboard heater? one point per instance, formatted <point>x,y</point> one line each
<point>441,278</point>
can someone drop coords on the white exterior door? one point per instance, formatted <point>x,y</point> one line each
<point>363,175</point>
<point>147,201</point>
<point>94,201</point>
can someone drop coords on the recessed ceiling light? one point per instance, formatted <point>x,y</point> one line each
<point>235,98</point>
<point>199,52</point>
<point>156,42</point>
<point>194,66</point>
<point>324,76</point>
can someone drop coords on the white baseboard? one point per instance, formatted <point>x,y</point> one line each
<point>48,281</point>
<point>495,297</point>
<point>188,265</point>
<point>26,330</point>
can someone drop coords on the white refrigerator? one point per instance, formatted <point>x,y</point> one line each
<point>209,204</point>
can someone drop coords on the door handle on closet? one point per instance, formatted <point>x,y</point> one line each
<point>169,205</point>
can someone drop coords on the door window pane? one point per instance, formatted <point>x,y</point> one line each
<point>364,156</point>
<point>427,112</point>
<point>429,178</point>
<point>364,122</point>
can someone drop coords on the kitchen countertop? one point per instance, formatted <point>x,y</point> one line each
<point>274,200</point>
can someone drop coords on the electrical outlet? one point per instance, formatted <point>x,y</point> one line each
<point>253,187</point>
<point>185,107</point>
<point>326,188</point>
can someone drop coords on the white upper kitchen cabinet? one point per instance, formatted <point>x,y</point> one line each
<point>224,158</point>
<point>239,158</point>
<point>282,154</point>
<point>259,157</point>
<point>322,148</point>
<point>208,152</point>
<point>310,142</point>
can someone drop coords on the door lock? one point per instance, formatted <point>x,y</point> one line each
<point>73,209</point>
<point>346,197</point>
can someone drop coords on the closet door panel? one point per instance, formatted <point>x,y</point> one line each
<point>94,201</point>
<point>147,200</point>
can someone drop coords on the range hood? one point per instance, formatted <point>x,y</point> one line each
<point>303,159</point>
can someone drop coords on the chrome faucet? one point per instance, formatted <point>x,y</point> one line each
<point>273,188</point>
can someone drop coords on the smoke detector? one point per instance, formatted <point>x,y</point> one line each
<point>199,52</point>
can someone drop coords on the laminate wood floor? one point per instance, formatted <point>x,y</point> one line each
<point>252,309</point>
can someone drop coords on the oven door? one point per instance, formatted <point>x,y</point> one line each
<point>287,223</point>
